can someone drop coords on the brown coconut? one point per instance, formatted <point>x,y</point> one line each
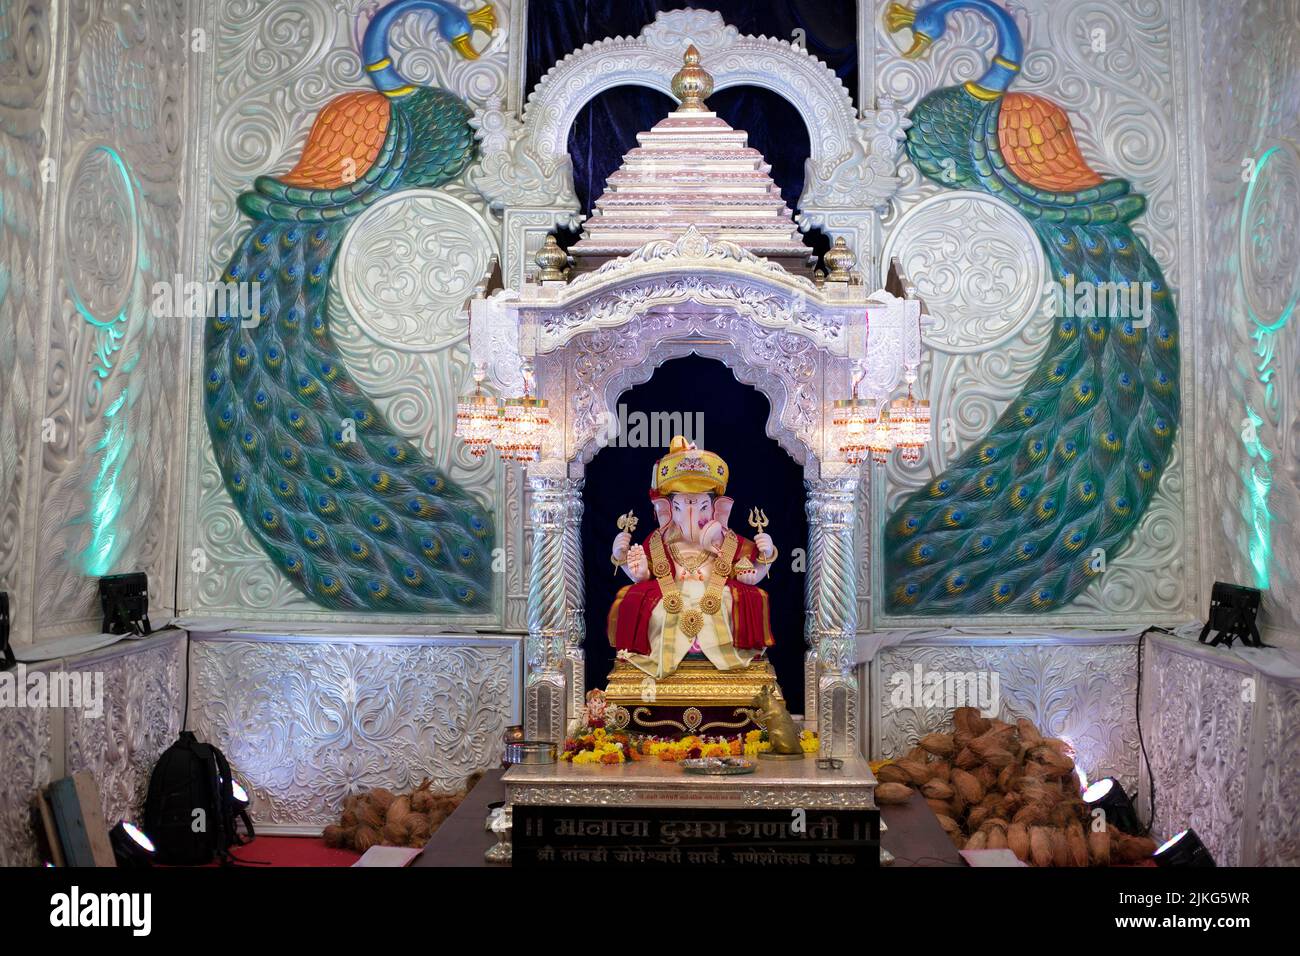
<point>1018,840</point>
<point>893,793</point>
<point>1060,847</point>
<point>968,785</point>
<point>1130,849</point>
<point>1078,845</point>
<point>937,790</point>
<point>917,772</point>
<point>940,745</point>
<point>892,773</point>
<point>1040,846</point>
<point>1029,735</point>
<point>942,808</point>
<point>364,838</point>
<point>1099,848</point>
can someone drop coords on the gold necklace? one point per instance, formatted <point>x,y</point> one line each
<point>690,564</point>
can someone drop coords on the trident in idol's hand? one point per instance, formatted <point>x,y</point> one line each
<point>758,521</point>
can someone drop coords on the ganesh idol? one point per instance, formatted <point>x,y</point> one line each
<point>694,594</point>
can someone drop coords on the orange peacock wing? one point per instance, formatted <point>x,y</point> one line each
<point>344,141</point>
<point>1039,146</point>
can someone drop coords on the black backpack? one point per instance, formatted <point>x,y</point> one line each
<point>190,811</point>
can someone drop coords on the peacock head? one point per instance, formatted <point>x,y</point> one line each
<point>457,27</point>
<point>927,24</point>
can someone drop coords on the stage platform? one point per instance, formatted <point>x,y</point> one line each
<point>776,784</point>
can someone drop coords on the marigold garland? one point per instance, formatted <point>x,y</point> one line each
<point>598,746</point>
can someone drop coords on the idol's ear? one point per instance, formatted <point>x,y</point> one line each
<point>663,511</point>
<point>722,510</point>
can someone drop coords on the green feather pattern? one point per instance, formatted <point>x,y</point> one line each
<point>345,507</point>
<point>1015,523</point>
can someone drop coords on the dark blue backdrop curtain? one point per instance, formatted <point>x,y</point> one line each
<point>606,127</point>
<point>734,418</point>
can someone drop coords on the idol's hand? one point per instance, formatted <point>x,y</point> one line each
<point>764,544</point>
<point>638,568</point>
<point>621,544</point>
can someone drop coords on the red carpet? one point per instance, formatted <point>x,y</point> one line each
<point>292,851</point>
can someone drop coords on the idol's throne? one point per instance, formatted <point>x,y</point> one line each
<point>692,629</point>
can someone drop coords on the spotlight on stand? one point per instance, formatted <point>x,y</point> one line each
<point>7,659</point>
<point>125,600</point>
<point>131,847</point>
<point>1183,849</point>
<point>1108,796</point>
<point>1233,609</point>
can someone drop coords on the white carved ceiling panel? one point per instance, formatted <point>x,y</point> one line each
<point>981,271</point>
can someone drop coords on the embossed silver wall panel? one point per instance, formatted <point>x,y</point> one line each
<point>396,303</point>
<point>306,721</point>
<point>981,271</point>
<point>110,376</point>
<point>144,708</point>
<point>1224,751</point>
<point>143,685</point>
<point>26,743</point>
<point>1083,689</point>
<point>1249,366</point>
<point>25,51</point>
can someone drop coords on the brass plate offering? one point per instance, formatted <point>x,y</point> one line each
<point>719,766</point>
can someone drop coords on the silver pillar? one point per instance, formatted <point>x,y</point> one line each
<point>555,608</point>
<point>832,598</point>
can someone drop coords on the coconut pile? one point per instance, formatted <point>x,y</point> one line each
<point>383,818</point>
<point>996,785</point>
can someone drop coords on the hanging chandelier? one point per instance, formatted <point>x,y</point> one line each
<point>521,428</point>
<point>854,420</point>
<point>912,426</point>
<point>516,427</point>
<point>476,419</point>
<point>882,438</point>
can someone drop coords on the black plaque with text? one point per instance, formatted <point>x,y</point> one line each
<point>639,836</point>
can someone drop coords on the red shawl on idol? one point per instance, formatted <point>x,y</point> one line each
<point>629,616</point>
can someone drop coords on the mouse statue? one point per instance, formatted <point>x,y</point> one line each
<point>782,733</point>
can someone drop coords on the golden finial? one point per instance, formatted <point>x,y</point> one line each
<point>552,261</point>
<point>839,260</point>
<point>692,84</point>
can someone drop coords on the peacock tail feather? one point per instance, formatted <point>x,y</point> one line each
<point>1017,523</point>
<point>347,508</point>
